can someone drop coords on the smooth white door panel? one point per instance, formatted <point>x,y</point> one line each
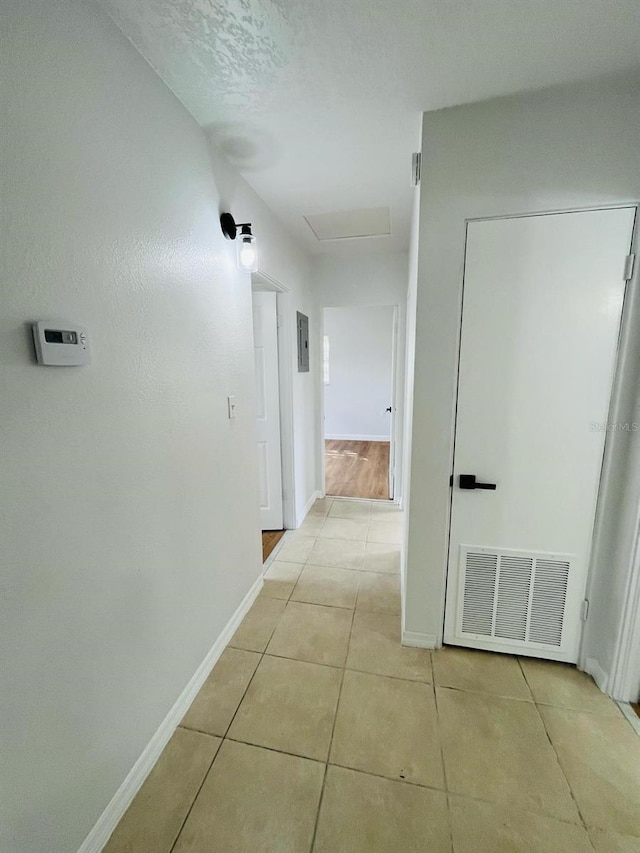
<point>265,342</point>
<point>542,306</point>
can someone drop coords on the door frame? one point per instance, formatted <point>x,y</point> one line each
<point>285,376</point>
<point>395,426</point>
<point>622,681</point>
<point>626,665</point>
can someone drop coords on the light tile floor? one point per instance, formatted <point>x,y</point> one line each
<point>317,731</point>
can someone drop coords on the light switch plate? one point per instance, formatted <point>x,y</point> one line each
<point>231,402</point>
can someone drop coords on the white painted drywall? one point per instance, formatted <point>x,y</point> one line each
<point>129,500</point>
<point>281,260</point>
<point>360,372</point>
<point>562,148</point>
<point>368,280</point>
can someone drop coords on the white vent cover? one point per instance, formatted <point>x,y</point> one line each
<point>518,597</point>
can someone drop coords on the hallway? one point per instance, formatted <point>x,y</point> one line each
<point>318,731</point>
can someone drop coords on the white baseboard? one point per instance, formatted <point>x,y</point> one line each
<point>108,820</point>
<point>314,497</point>
<point>632,718</point>
<point>335,437</point>
<point>420,641</point>
<point>599,675</point>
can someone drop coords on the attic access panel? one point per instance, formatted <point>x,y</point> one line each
<point>350,224</point>
<point>303,342</point>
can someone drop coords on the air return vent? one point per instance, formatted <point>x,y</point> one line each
<point>514,596</point>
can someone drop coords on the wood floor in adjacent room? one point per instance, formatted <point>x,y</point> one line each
<point>270,539</point>
<point>357,469</point>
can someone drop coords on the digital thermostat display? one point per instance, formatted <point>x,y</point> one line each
<point>60,344</point>
<point>53,336</point>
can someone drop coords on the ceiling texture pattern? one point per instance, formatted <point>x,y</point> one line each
<point>318,103</point>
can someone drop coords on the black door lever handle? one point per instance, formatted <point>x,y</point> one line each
<point>468,481</point>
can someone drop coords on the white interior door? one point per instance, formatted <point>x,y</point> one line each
<point>265,342</point>
<point>542,306</point>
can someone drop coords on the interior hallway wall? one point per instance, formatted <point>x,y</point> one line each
<point>562,148</point>
<point>281,260</point>
<point>129,500</point>
<point>368,280</point>
<point>360,373</point>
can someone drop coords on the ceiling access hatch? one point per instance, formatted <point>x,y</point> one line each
<point>349,224</point>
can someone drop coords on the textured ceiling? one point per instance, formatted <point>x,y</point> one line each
<point>318,102</point>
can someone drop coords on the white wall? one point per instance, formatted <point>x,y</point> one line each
<point>360,363</point>
<point>129,500</point>
<point>281,260</point>
<point>368,280</point>
<point>563,148</point>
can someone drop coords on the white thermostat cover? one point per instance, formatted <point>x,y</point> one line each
<point>60,343</point>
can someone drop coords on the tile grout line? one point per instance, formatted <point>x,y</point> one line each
<point>486,693</point>
<point>333,728</point>
<point>274,749</point>
<point>353,669</point>
<point>200,786</point>
<point>444,766</point>
<point>496,802</point>
<point>555,752</point>
<point>505,804</point>
<point>262,656</point>
<point>224,737</point>
<point>395,779</point>
<point>310,565</point>
<point>328,763</point>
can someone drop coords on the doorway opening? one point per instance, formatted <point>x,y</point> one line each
<point>273,410</point>
<point>270,539</point>
<point>359,372</point>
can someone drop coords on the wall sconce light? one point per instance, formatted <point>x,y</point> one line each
<point>247,253</point>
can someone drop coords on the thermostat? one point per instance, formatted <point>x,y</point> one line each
<point>62,344</point>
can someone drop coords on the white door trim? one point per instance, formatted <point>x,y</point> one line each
<point>554,211</point>
<point>393,430</point>
<point>622,681</point>
<point>320,435</point>
<point>625,675</point>
<point>395,361</point>
<point>285,370</point>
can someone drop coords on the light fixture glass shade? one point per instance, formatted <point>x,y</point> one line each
<point>247,253</point>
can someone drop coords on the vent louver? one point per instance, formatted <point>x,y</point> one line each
<point>514,596</point>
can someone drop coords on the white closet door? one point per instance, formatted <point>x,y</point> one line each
<point>265,342</point>
<point>542,306</point>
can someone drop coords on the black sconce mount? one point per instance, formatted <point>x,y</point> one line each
<point>230,226</point>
